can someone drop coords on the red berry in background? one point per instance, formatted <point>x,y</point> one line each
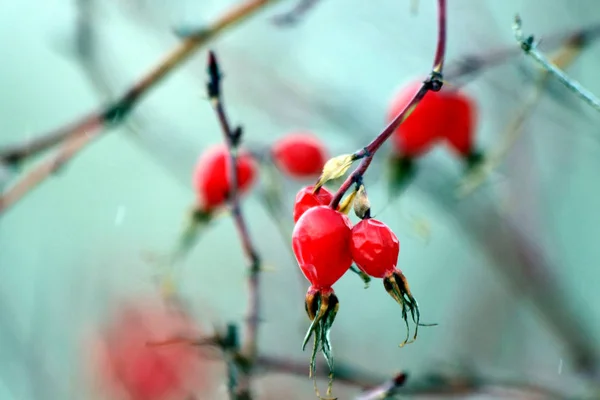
<point>461,114</point>
<point>374,248</point>
<point>424,127</point>
<point>300,155</point>
<point>306,199</point>
<point>211,176</point>
<point>321,244</point>
<point>145,372</point>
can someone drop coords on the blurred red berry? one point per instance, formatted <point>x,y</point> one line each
<point>321,244</point>
<point>211,176</point>
<point>300,155</point>
<point>424,126</point>
<point>306,199</point>
<point>374,248</point>
<point>146,372</point>
<point>461,113</point>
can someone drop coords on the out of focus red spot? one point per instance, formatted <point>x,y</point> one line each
<point>126,363</point>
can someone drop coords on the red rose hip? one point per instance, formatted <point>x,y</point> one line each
<point>423,128</point>
<point>306,199</point>
<point>299,155</point>
<point>375,248</point>
<point>321,244</point>
<point>211,176</point>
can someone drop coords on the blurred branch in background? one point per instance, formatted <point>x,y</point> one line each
<point>294,15</point>
<point>492,160</point>
<point>80,134</point>
<point>530,47</point>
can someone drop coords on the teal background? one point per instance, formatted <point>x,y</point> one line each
<point>73,247</point>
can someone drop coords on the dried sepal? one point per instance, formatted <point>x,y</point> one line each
<point>335,168</point>
<point>396,285</point>
<point>321,306</point>
<point>362,206</point>
<point>347,202</point>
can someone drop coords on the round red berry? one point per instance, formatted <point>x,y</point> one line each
<point>306,199</point>
<point>423,127</point>
<point>211,176</point>
<point>299,155</point>
<point>374,248</point>
<point>462,114</point>
<point>321,244</point>
<point>144,372</point>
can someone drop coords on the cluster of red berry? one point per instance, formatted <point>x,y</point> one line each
<point>326,244</point>
<point>297,155</point>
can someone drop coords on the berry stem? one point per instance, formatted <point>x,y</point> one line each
<point>232,139</point>
<point>76,136</point>
<point>433,82</point>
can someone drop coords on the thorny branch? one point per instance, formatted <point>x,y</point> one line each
<point>76,136</point>
<point>529,46</point>
<point>433,82</point>
<point>232,139</point>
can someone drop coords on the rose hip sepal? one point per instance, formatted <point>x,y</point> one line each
<point>375,248</point>
<point>321,244</point>
<point>307,198</point>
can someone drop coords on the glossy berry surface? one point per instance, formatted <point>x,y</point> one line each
<point>300,155</point>
<point>461,114</point>
<point>144,372</point>
<point>321,244</point>
<point>424,127</point>
<point>374,247</point>
<point>306,199</point>
<point>211,176</point>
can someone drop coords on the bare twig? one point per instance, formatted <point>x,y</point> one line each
<point>529,46</point>
<point>386,389</point>
<point>296,13</point>
<point>562,59</point>
<point>232,139</point>
<point>82,133</point>
<point>433,82</point>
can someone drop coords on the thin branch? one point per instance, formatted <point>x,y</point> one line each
<point>82,133</point>
<point>529,46</point>
<point>232,139</point>
<point>386,389</point>
<point>293,16</point>
<point>562,59</point>
<point>433,82</point>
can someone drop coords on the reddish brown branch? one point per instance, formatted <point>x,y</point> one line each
<point>434,82</point>
<point>232,139</point>
<point>80,134</point>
